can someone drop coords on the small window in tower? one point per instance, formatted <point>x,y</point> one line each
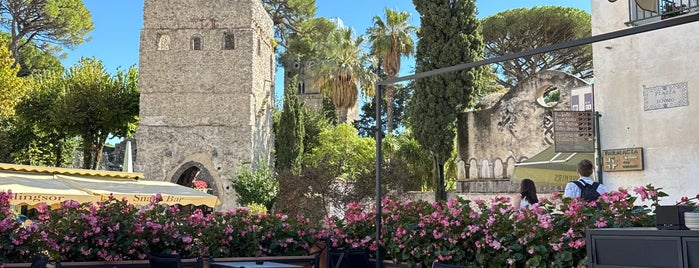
<point>196,42</point>
<point>258,46</point>
<point>301,88</point>
<point>228,41</point>
<point>163,42</point>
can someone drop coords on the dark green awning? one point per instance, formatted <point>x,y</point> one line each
<point>550,167</point>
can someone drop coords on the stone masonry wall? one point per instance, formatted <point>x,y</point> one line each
<point>514,129</point>
<point>211,107</point>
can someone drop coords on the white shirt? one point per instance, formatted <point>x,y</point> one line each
<point>524,203</point>
<point>572,190</point>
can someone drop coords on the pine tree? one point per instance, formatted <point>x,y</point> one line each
<point>449,35</point>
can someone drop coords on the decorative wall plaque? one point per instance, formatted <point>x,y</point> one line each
<point>624,159</point>
<point>665,96</point>
<point>574,131</point>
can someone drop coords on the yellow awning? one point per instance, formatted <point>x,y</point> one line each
<point>139,192</point>
<point>32,185</point>
<point>69,171</point>
<point>550,167</point>
<point>33,189</point>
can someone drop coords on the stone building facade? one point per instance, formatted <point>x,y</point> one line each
<point>510,128</point>
<point>206,77</point>
<point>308,94</point>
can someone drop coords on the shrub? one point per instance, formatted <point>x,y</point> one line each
<point>16,241</point>
<point>491,234</point>
<point>256,186</point>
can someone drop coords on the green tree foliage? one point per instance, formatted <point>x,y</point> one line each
<point>7,125</point>
<point>288,15</point>
<point>45,141</point>
<point>367,118</point>
<point>12,88</point>
<point>391,39</point>
<point>335,172</point>
<point>28,144</point>
<point>405,151</point>
<point>342,68</point>
<point>314,123</point>
<point>303,48</point>
<point>33,60</point>
<point>524,29</point>
<point>97,105</point>
<point>304,192</point>
<point>45,23</point>
<point>290,131</point>
<point>449,35</point>
<point>256,186</point>
<point>348,154</point>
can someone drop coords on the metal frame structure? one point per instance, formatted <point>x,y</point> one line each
<point>574,43</point>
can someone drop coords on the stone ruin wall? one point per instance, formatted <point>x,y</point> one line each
<point>209,108</point>
<point>513,129</point>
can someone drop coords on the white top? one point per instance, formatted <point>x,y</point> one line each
<point>524,203</point>
<point>573,191</point>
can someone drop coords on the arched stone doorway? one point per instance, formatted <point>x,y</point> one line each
<point>190,171</point>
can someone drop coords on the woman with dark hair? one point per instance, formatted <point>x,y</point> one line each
<point>527,194</point>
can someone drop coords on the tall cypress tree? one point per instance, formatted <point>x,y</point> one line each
<point>449,35</point>
<point>290,131</point>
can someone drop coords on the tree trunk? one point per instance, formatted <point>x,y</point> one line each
<point>98,157</point>
<point>87,154</point>
<point>14,42</point>
<point>59,152</point>
<point>98,152</point>
<point>440,193</point>
<point>342,115</point>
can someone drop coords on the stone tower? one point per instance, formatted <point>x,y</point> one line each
<point>206,77</point>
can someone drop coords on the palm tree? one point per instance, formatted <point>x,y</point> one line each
<point>391,39</point>
<point>342,69</point>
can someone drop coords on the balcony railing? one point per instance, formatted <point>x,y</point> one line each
<point>648,11</point>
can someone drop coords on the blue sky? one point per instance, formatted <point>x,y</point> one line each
<point>118,24</point>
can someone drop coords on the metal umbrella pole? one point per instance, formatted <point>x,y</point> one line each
<point>379,159</point>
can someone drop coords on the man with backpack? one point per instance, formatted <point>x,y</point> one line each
<point>585,187</point>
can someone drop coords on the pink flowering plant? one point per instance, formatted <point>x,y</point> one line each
<point>281,235</point>
<point>15,241</point>
<point>114,230</point>
<point>201,185</point>
<point>356,229</point>
<point>650,193</point>
<point>482,233</point>
<point>491,234</point>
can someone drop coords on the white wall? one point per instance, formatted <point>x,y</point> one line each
<point>579,94</point>
<point>623,68</point>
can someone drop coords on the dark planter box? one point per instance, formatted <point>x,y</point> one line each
<point>671,217</point>
<point>642,247</point>
<point>304,261</point>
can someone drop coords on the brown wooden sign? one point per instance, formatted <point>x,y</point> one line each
<point>624,159</point>
<point>573,131</point>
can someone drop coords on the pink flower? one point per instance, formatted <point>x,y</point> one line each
<point>200,184</point>
<point>601,223</point>
<point>642,192</point>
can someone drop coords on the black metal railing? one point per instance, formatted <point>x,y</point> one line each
<point>648,11</point>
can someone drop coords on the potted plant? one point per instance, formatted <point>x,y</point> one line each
<point>671,10</point>
<point>691,215</point>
